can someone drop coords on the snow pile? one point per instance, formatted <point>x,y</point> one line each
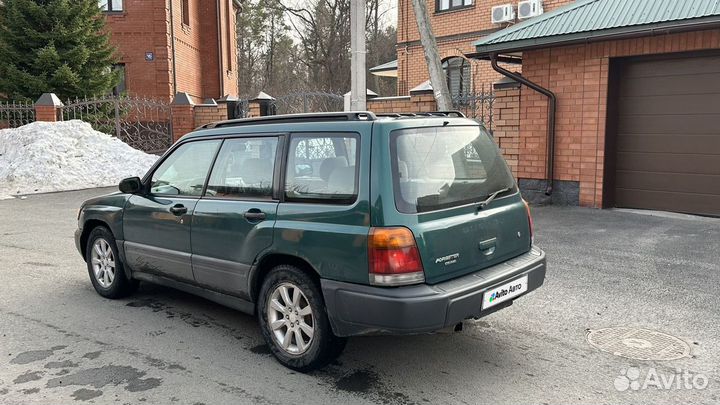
<point>43,156</point>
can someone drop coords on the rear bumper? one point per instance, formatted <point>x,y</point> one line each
<point>356,309</point>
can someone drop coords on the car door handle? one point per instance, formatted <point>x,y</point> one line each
<point>254,215</point>
<point>178,209</point>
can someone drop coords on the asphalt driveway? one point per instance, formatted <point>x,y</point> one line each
<point>62,343</point>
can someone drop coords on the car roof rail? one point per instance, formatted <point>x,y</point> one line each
<point>451,113</point>
<point>294,118</point>
<point>448,113</point>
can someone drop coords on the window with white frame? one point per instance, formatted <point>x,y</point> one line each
<point>446,5</point>
<point>110,5</point>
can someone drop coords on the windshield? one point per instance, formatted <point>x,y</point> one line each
<point>441,167</point>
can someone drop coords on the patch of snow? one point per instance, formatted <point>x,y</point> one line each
<point>58,156</point>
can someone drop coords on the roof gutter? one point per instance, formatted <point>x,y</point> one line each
<point>611,34</point>
<point>552,101</point>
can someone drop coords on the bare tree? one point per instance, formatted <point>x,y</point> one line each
<point>432,56</point>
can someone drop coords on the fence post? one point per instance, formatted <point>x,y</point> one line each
<point>183,115</point>
<point>48,108</point>
<point>116,104</point>
<point>422,99</point>
<point>262,105</point>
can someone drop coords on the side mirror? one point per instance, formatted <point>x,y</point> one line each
<point>131,185</point>
<point>302,170</point>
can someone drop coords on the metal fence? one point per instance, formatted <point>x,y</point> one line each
<point>308,101</point>
<point>16,114</point>
<point>142,123</point>
<point>478,106</point>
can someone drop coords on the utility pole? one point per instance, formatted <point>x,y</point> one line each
<point>432,57</point>
<point>358,86</point>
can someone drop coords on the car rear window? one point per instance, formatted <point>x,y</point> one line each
<point>442,167</point>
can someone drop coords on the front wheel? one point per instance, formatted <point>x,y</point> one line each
<point>105,267</point>
<point>294,321</point>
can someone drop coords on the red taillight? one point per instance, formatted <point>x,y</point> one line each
<point>394,257</point>
<point>532,225</point>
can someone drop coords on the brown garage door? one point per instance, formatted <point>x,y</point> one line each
<point>668,135</point>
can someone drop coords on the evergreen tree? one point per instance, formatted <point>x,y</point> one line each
<point>58,46</point>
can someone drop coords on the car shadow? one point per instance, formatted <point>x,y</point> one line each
<point>367,363</point>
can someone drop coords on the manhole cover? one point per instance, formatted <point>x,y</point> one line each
<point>638,344</point>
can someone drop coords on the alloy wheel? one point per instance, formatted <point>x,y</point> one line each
<point>290,318</point>
<point>103,263</point>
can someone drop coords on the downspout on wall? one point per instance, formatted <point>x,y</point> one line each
<point>552,101</point>
<point>172,46</point>
<point>221,76</point>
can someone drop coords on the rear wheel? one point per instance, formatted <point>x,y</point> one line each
<point>106,269</point>
<point>294,321</point>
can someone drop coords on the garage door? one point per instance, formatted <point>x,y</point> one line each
<point>668,135</point>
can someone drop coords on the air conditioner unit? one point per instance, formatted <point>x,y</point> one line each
<point>529,8</point>
<point>502,14</point>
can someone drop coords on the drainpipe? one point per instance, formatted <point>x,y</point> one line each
<point>172,46</point>
<point>221,83</point>
<point>552,100</point>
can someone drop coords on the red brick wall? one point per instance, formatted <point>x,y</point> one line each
<point>507,125</point>
<point>579,77</point>
<point>46,113</point>
<point>408,104</point>
<point>144,26</point>
<point>183,120</point>
<point>455,31</point>
<point>205,114</point>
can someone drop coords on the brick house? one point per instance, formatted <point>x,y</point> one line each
<point>456,25</point>
<point>637,90</point>
<point>171,46</point>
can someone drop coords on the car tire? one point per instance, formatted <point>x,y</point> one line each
<point>105,267</point>
<point>298,332</point>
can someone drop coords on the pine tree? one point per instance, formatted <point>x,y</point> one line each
<point>58,46</point>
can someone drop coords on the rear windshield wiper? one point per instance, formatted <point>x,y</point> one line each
<point>491,197</point>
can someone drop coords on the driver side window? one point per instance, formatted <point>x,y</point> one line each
<point>185,170</point>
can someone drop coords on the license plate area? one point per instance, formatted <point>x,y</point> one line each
<point>504,292</point>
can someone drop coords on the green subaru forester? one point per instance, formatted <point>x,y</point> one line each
<point>323,225</point>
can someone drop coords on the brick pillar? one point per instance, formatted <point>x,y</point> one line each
<point>48,108</point>
<point>254,107</point>
<point>210,111</point>
<point>183,115</point>
<point>422,98</point>
<point>262,104</point>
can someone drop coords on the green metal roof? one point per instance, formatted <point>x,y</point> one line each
<point>587,20</point>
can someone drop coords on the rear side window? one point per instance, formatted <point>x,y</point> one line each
<point>184,172</point>
<point>442,167</point>
<point>322,168</point>
<point>244,169</point>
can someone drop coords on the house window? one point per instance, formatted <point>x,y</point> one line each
<point>121,86</point>
<point>185,12</point>
<point>445,5</point>
<point>457,72</point>
<point>111,5</point>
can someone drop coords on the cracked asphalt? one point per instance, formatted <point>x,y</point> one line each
<point>62,343</point>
